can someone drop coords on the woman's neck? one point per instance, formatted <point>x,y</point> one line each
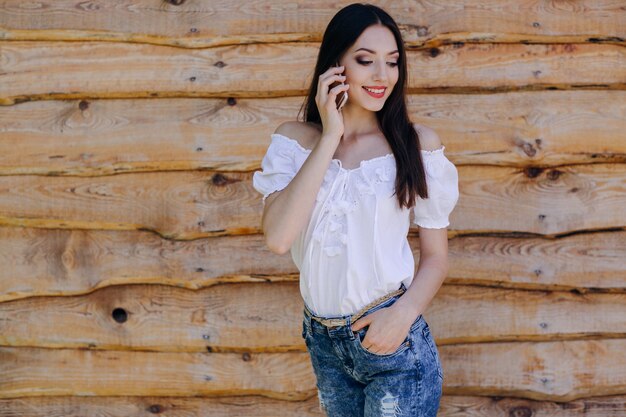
<point>358,121</point>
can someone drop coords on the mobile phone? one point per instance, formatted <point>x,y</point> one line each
<point>342,97</point>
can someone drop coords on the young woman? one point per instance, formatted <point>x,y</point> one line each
<point>338,190</point>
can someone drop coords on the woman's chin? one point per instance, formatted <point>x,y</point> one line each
<point>368,105</point>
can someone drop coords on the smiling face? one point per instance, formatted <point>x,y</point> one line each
<point>373,63</point>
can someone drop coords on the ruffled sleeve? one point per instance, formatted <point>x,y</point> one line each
<point>442,179</point>
<point>277,168</point>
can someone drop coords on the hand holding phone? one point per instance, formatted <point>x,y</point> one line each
<point>329,102</point>
<point>342,97</point>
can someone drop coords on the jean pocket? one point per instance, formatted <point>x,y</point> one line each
<point>432,347</point>
<point>360,335</point>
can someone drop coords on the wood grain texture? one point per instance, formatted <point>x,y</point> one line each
<point>559,370</point>
<point>64,262</point>
<point>542,201</point>
<point>28,371</point>
<point>121,218</point>
<point>267,317</point>
<point>258,406</point>
<point>194,204</point>
<point>197,25</point>
<point>553,371</point>
<point>579,262</point>
<point>70,70</point>
<point>102,137</point>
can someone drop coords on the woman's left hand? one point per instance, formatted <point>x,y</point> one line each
<point>388,327</point>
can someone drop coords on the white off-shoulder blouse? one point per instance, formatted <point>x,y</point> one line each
<point>354,248</point>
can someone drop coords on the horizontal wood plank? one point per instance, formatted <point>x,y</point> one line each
<point>559,370</point>
<point>554,371</point>
<point>191,24</point>
<point>64,262</point>
<point>258,406</point>
<point>70,70</point>
<point>578,262</point>
<point>101,137</point>
<point>43,372</point>
<point>190,205</point>
<point>268,317</point>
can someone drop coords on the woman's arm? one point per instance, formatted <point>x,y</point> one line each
<point>432,270</point>
<point>433,262</point>
<point>286,212</point>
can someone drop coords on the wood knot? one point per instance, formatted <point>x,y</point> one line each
<point>528,149</point>
<point>434,52</point>
<point>554,174</point>
<point>231,101</point>
<point>246,356</point>
<point>83,105</point>
<point>120,315</point>
<point>155,409</point>
<point>175,2</point>
<point>521,411</point>
<point>533,172</point>
<point>219,179</point>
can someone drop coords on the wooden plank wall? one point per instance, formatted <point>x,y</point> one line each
<point>135,280</point>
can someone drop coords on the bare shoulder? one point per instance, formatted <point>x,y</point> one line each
<point>305,133</point>
<point>429,140</point>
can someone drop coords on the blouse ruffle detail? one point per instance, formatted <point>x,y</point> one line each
<point>442,179</point>
<point>278,169</point>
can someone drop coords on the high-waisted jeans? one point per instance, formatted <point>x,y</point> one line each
<point>352,381</point>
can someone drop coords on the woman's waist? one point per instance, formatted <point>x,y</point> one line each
<point>333,302</point>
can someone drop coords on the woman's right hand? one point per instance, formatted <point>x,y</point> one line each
<point>332,119</point>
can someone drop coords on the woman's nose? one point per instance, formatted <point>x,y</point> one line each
<point>381,72</point>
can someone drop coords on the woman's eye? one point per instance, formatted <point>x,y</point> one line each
<point>393,64</point>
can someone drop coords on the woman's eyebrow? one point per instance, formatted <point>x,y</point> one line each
<point>373,52</point>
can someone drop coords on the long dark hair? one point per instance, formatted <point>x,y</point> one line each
<point>393,119</point>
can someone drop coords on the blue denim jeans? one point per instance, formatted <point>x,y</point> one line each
<point>352,381</point>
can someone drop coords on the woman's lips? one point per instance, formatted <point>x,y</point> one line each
<point>374,94</point>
